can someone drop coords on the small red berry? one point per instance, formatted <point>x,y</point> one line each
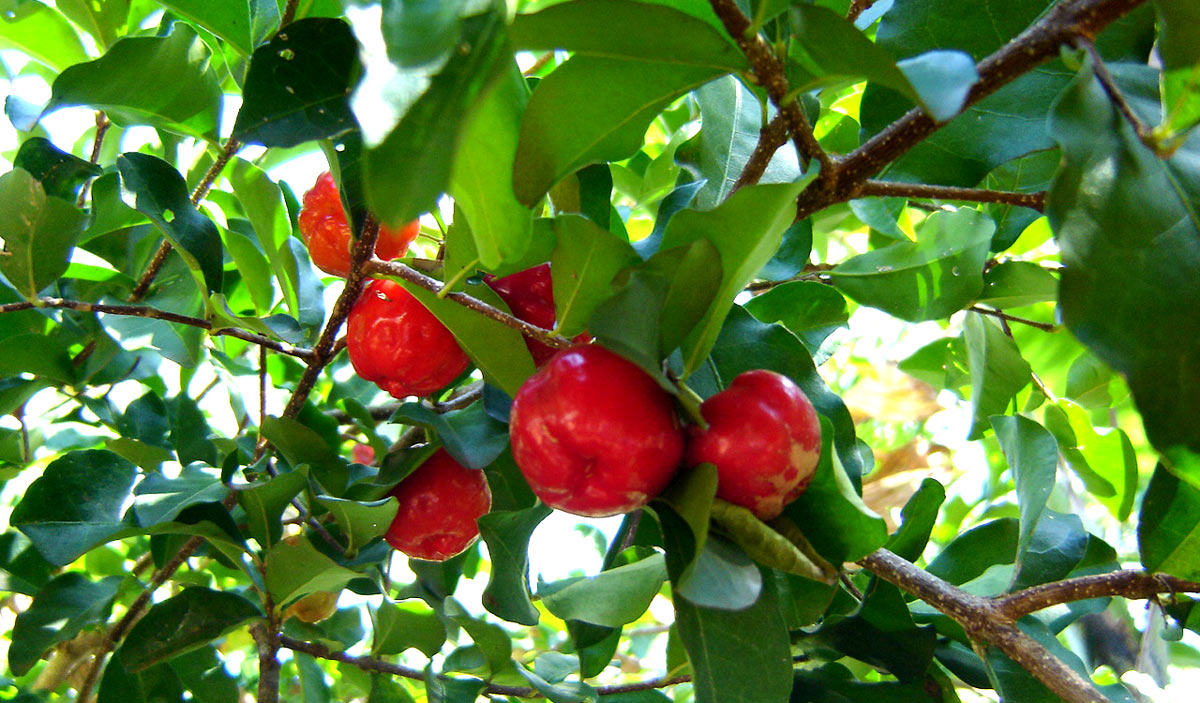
<point>593,434</point>
<point>439,504</point>
<point>530,296</point>
<point>362,453</point>
<point>325,232</point>
<point>764,438</point>
<point>398,344</point>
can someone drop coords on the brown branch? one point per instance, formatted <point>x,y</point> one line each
<point>289,13</point>
<point>1131,584</point>
<point>1063,24</point>
<point>156,314</point>
<point>857,7</point>
<point>1034,201</point>
<point>102,125</point>
<point>984,621</point>
<point>395,269</point>
<point>266,641</point>
<point>1144,132</point>
<point>320,651</point>
<point>1005,317</point>
<point>772,136</point>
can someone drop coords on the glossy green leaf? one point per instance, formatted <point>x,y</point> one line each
<point>491,639</point>
<point>1104,461</point>
<point>1148,328</point>
<point>608,104</point>
<point>160,499</point>
<point>60,173</point>
<point>42,33</point>
<point>183,623</point>
<point>154,188</point>
<point>506,534</point>
<point>585,262</point>
<point>1169,526</point>
<point>202,672</point>
<point>882,633</point>
<point>401,626</point>
<point>997,369</point>
<point>1014,284</point>
<point>301,444</point>
<point>264,207</point>
<point>1057,544</point>
<point>406,171</point>
<point>305,571</point>
<point>723,577</point>
<point>612,598</point>
<point>75,504</point>
<point>812,311</point>
<point>39,232</point>
<point>164,82</point>
<point>1028,174</point>
<point>1032,456</point>
<point>103,20</point>
<point>59,611</point>
<point>22,569</point>
<point>973,552</point>
<point>264,503</point>
<point>1180,53</point>
<point>626,29</point>
<point>361,522</point>
<point>731,119</point>
<point>933,277</point>
<point>689,498</point>
<point>470,435</point>
<point>917,519</point>
<point>242,23</point>
<point>298,85</point>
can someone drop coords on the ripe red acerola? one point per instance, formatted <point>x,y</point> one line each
<point>593,434</point>
<point>395,342</point>
<point>325,232</point>
<point>764,438</point>
<point>530,296</point>
<point>439,504</point>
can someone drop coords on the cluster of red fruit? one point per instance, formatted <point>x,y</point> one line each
<point>592,433</point>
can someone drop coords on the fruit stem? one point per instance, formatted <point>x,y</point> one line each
<point>691,402</point>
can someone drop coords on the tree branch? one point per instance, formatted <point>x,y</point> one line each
<point>857,7</point>
<point>1043,326</point>
<point>1034,201</point>
<point>983,620</point>
<point>772,136</point>
<point>289,13</point>
<point>1131,584</point>
<point>1144,132</point>
<point>102,125</point>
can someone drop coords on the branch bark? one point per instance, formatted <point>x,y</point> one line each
<point>1134,585</point>
<point>1034,201</point>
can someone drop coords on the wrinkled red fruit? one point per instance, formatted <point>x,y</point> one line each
<point>439,504</point>
<point>764,438</point>
<point>325,232</point>
<point>398,344</point>
<point>593,434</point>
<point>530,296</point>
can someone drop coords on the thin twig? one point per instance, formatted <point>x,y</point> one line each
<point>857,7</point>
<point>102,125</point>
<point>156,314</point>
<point>289,13</point>
<point>539,64</point>
<point>1034,201</point>
<point>772,136</point>
<point>1005,317</point>
<point>1131,584</point>
<point>1144,132</point>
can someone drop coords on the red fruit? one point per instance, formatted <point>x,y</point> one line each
<point>593,434</point>
<point>398,344</point>
<point>362,453</point>
<point>325,232</point>
<point>530,296</point>
<point>764,438</point>
<point>439,504</point>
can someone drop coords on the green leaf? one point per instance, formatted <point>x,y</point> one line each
<point>731,119</point>
<point>1169,526</point>
<point>159,499</point>
<point>835,682</point>
<point>165,82</point>
<point>1028,174</point>
<point>608,104</point>
<point>723,577</point>
<point>264,503</point>
<point>261,199</point>
<point>471,436</point>
<point>301,444</point>
<point>998,370</point>
<point>59,611</point>
<point>563,692</point>
<point>882,633</point>
<point>1057,545</point>
<point>242,23</point>
<point>935,276</point>
<point>1032,455</point>
<point>183,623</point>
<point>612,598</point>
<point>973,552</point>
<point>203,673</point>
<point>812,311</point>
<point>22,569</point>
<point>295,569</point>
<point>298,85</point>
<point>765,211</point>
<point>361,522</point>
<point>42,33</point>
<point>75,504</point>
<point>103,20</point>
<point>154,188</point>
<point>60,173</point>
<point>737,656</point>
<point>497,349</point>
<point>625,29</point>
<point>1180,53</point>
<point>401,626</point>
<point>481,180</point>
<point>917,519</point>
<point>771,548</point>
<point>506,534</point>
<point>828,49</point>
<point>690,499</point>
<point>1105,462</point>
<point>1014,284</point>
<point>585,262</point>
<point>39,232</point>
<point>491,639</point>
<point>407,170</point>
<point>1148,328</point>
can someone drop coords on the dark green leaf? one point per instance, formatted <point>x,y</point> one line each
<point>154,188</point>
<point>242,23</point>
<point>60,173</point>
<point>22,569</point>
<point>917,520</point>
<point>833,682</point>
<point>723,577</point>
<point>1056,546</point>
<point>882,633</point>
<point>301,444</point>
<point>165,82</point>
<point>1180,54</point>
<point>182,623</point>
<point>59,611</point>
<point>412,624</point>
<point>298,85</point>
<point>1032,455</point>
<point>685,525</point>
<point>1028,174</point>
<point>998,370</point>
<point>812,311</point>
<point>974,551</point>
<point>1014,284</point>
<point>491,639</point>
<point>263,203</point>
<point>564,692</point>
<point>612,598</point>
<point>1169,526</point>
<point>471,436</point>
<point>264,503</point>
<point>203,673</point>
<point>506,534</point>
<point>937,275</point>
<point>361,522</point>
<point>41,33</point>
<point>158,683</point>
<point>39,232</point>
<point>585,262</point>
<point>75,504</point>
<point>159,499</point>
<point>295,569</point>
<point>190,432</point>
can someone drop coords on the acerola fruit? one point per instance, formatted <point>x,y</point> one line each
<point>593,434</point>
<point>398,344</point>
<point>314,607</point>
<point>764,438</point>
<point>327,235</point>
<point>530,296</point>
<point>439,504</point>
